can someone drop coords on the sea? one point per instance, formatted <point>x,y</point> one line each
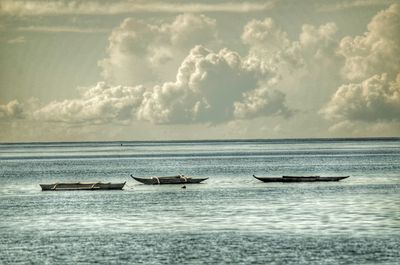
<point>231,218</point>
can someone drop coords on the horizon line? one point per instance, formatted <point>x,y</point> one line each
<point>376,138</point>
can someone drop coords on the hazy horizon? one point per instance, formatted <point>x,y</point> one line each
<point>338,139</point>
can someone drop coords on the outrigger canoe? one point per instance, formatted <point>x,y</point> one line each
<point>180,179</point>
<point>300,178</point>
<point>82,186</point>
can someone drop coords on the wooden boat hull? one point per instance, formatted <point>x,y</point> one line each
<point>169,180</point>
<point>82,186</point>
<point>300,178</point>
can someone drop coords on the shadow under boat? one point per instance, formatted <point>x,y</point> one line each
<point>300,178</point>
<point>180,179</point>
<point>82,186</point>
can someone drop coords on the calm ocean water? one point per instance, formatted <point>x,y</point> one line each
<point>231,218</point>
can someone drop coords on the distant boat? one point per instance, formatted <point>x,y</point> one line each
<point>82,186</point>
<point>180,179</point>
<point>300,178</point>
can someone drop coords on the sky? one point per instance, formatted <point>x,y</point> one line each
<point>101,70</point>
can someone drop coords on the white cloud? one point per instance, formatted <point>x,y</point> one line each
<point>141,53</point>
<point>261,102</point>
<point>53,8</point>
<point>319,42</point>
<point>97,105</point>
<point>170,69</point>
<point>270,45</point>
<point>375,52</point>
<point>210,87</point>
<point>266,35</point>
<point>372,64</point>
<point>188,30</point>
<point>12,110</point>
<point>376,99</point>
<point>306,69</point>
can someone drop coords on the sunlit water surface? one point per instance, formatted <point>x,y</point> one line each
<point>231,218</point>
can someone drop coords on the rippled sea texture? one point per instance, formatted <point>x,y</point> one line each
<point>231,218</point>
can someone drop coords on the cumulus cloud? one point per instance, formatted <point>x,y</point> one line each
<point>99,104</point>
<point>262,102</point>
<point>377,50</point>
<point>210,87</point>
<point>319,42</point>
<point>139,52</point>
<point>305,69</point>
<point>269,44</point>
<point>219,86</point>
<point>188,30</point>
<point>175,70</point>
<point>318,65</point>
<point>376,99</point>
<point>372,64</point>
<point>265,34</point>
<point>12,110</point>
